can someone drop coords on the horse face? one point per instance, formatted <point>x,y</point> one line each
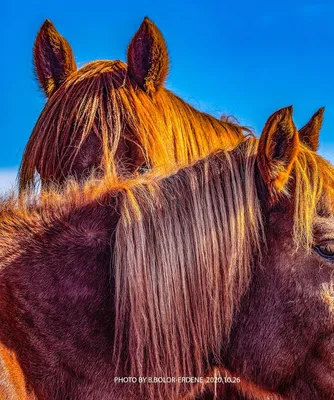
<point>89,159</point>
<point>283,338</point>
<point>81,105</point>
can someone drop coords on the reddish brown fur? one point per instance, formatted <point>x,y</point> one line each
<point>148,66</point>
<point>54,60</point>
<point>110,114</point>
<point>277,151</point>
<point>233,391</point>
<point>309,134</point>
<point>148,58</point>
<point>107,114</point>
<point>58,298</point>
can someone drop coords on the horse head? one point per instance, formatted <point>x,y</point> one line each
<point>111,114</point>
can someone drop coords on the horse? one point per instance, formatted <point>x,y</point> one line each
<point>108,113</point>
<point>54,61</point>
<point>225,263</point>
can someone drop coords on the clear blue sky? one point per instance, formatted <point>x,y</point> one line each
<point>246,58</point>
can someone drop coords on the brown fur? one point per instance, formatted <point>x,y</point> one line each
<point>107,116</point>
<point>148,58</point>
<point>233,391</point>
<point>309,134</point>
<point>53,58</point>
<point>207,269</point>
<point>278,148</point>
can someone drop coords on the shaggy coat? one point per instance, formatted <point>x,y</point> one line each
<point>108,116</point>
<point>225,263</point>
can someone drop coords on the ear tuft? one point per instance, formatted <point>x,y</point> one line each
<point>53,58</point>
<point>278,149</point>
<point>148,57</point>
<point>309,134</point>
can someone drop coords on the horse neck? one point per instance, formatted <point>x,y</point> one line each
<point>189,242</point>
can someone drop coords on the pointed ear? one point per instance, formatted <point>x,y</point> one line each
<point>53,58</point>
<point>148,57</point>
<point>309,134</point>
<point>278,149</point>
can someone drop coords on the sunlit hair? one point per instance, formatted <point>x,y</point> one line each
<point>100,99</point>
<point>185,245</point>
<point>188,240</point>
<point>310,173</point>
<point>183,259</point>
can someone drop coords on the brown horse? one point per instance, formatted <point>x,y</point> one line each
<point>107,113</point>
<point>225,263</point>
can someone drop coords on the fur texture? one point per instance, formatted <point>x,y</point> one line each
<point>309,134</point>
<point>110,117</point>
<point>53,58</point>
<point>175,275</point>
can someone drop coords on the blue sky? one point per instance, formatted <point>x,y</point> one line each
<point>245,58</point>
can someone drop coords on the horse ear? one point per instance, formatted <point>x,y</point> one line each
<point>309,134</point>
<point>53,58</point>
<point>278,149</point>
<point>148,57</point>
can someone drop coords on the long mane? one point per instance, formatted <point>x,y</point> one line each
<point>184,246</point>
<point>102,99</point>
<point>182,264</point>
<point>184,256</point>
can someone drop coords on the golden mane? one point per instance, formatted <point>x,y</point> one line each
<point>101,98</point>
<point>312,177</point>
<point>189,240</point>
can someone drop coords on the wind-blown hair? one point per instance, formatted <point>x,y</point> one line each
<point>182,265</point>
<point>183,260</point>
<point>102,100</point>
<point>184,251</point>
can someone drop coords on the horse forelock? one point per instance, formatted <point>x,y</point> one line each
<point>100,99</point>
<point>81,106</point>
